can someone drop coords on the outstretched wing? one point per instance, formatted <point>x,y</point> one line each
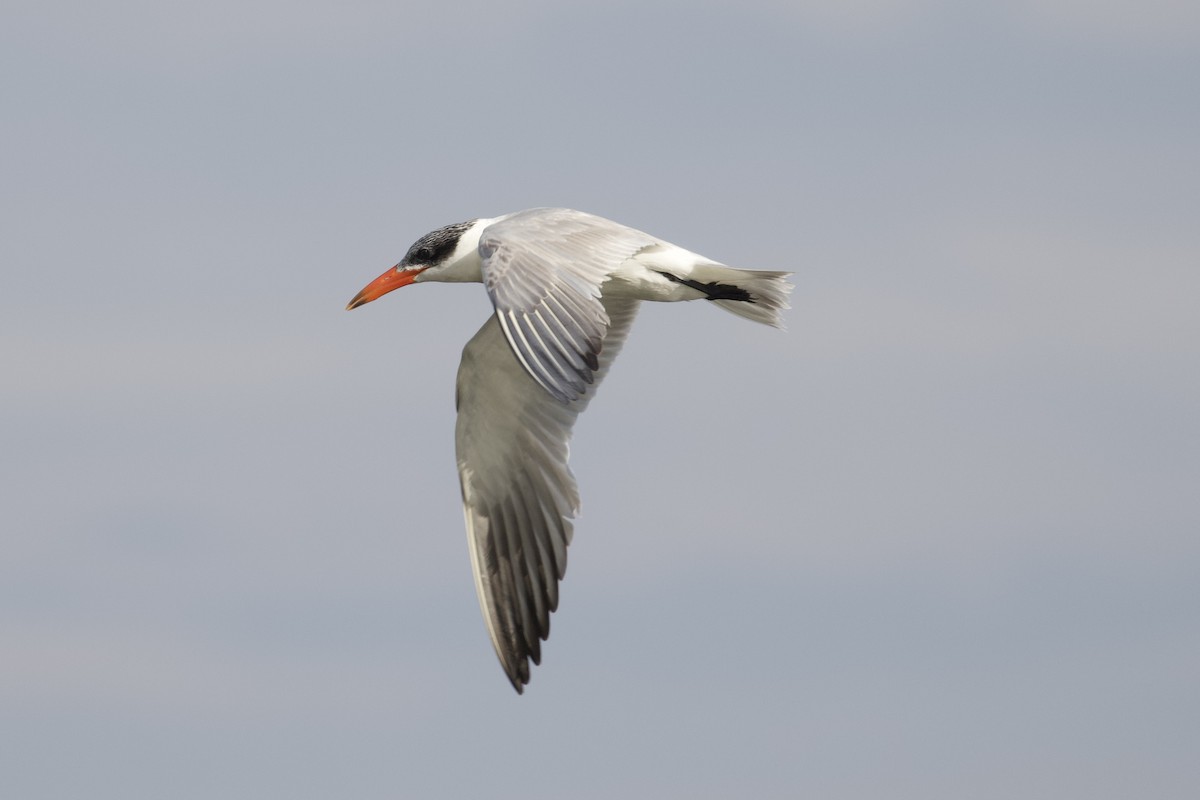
<point>543,270</point>
<point>519,496</point>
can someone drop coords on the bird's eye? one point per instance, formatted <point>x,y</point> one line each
<point>424,254</point>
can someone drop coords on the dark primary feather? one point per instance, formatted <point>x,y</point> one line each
<point>519,495</point>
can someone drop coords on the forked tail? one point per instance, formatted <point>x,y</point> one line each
<point>759,295</point>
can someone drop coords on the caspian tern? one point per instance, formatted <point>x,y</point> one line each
<point>565,286</point>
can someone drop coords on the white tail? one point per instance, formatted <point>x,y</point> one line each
<point>768,291</point>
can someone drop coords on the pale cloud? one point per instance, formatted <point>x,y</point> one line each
<point>1120,22</point>
<point>186,32</point>
<point>104,367</point>
<point>1170,23</point>
<point>145,668</point>
<point>232,519</point>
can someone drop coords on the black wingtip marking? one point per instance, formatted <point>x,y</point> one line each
<point>714,290</point>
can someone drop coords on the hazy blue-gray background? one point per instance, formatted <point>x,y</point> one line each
<point>939,540</point>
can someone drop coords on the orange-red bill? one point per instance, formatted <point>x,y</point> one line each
<point>387,282</point>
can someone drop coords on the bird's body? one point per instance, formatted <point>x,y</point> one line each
<point>566,287</point>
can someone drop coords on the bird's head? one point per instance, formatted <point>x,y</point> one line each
<point>447,254</point>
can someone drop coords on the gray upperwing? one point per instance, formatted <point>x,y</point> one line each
<point>519,495</point>
<point>543,270</point>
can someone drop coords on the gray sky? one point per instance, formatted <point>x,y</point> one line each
<point>939,540</point>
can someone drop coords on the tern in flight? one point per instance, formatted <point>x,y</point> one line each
<point>565,286</point>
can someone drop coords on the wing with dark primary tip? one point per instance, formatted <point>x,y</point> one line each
<point>519,496</point>
<point>543,270</point>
